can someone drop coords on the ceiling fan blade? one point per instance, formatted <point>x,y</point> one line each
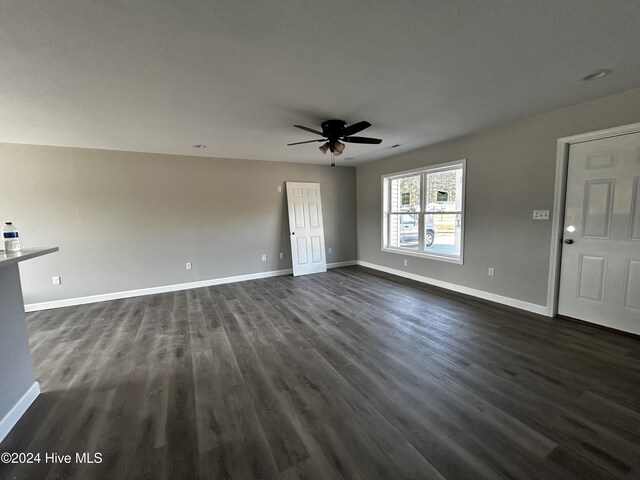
<point>308,141</point>
<point>355,128</point>
<point>309,129</point>
<point>372,141</point>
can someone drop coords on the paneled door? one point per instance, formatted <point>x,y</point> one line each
<point>306,228</point>
<point>600,269</point>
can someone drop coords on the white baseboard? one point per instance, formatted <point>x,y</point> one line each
<point>348,263</point>
<point>10,419</point>
<point>512,302</point>
<point>68,302</point>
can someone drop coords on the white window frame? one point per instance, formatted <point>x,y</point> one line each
<point>423,171</point>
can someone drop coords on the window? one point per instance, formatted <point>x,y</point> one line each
<point>423,212</point>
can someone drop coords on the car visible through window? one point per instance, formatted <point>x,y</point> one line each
<point>409,230</point>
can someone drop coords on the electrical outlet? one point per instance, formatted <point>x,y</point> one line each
<point>281,255</point>
<point>55,280</point>
<point>187,265</point>
<point>264,258</point>
<point>279,189</point>
<point>330,250</point>
<point>541,214</point>
<point>405,262</point>
<point>491,272</point>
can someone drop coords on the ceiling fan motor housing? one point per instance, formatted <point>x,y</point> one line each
<point>333,129</point>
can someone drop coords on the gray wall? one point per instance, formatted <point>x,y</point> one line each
<point>16,374</point>
<point>510,172</point>
<point>127,220</point>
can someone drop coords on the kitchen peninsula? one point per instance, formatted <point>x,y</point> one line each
<point>18,386</point>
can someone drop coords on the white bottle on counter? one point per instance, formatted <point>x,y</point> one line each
<point>11,238</point>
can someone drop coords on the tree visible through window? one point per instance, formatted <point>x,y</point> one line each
<point>423,211</point>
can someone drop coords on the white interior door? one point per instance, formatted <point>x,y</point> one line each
<point>305,228</point>
<point>600,269</point>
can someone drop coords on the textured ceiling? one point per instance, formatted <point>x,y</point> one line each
<point>159,76</point>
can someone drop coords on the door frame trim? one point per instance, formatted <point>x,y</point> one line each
<point>562,161</point>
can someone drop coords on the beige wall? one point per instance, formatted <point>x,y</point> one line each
<point>510,172</point>
<point>127,221</point>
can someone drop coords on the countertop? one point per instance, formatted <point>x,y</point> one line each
<point>9,258</point>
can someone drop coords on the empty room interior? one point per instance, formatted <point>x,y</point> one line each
<point>320,240</point>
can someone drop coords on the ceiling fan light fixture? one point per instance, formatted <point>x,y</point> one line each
<point>324,148</point>
<point>339,147</point>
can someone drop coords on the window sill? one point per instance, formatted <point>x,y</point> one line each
<point>429,256</point>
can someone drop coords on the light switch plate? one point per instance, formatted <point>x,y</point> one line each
<point>55,280</point>
<point>541,214</point>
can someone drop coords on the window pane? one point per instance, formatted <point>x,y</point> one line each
<point>405,194</point>
<point>443,234</point>
<point>403,231</point>
<point>444,191</point>
<point>423,212</point>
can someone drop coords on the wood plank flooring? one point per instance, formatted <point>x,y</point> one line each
<point>350,374</point>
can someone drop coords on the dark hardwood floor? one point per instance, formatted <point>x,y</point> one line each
<point>349,374</point>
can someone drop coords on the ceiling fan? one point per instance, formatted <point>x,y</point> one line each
<point>335,130</point>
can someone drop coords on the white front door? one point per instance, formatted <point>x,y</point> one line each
<point>306,230</point>
<point>600,269</point>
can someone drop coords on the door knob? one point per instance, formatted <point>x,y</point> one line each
<point>293,233</point>
<point>568,241</point>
